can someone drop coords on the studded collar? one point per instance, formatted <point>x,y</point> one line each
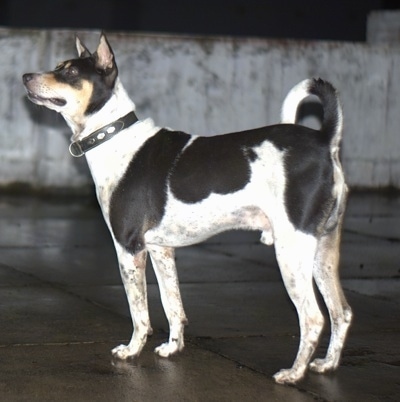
<point>98,137</point>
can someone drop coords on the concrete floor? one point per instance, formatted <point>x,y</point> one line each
<point>62,308</point>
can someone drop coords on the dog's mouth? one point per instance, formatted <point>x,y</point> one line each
<point>40,99</point>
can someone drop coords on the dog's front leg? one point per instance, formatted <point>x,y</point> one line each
<point>163,259</point>
<point>132,269</point>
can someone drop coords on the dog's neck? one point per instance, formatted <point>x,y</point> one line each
<point>117,106</point>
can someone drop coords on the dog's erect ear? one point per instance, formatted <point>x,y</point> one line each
<point>104,55</point>
<point>81,48</point>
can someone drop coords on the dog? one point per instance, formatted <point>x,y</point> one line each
<point>160,189</point>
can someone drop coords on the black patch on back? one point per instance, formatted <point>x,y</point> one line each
<point>217,165</point>
<point>138,202</point>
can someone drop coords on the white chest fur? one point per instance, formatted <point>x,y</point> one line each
<point>109,161</point>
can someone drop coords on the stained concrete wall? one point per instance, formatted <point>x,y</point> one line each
<point>203,86</point>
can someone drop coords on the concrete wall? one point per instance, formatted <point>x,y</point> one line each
<point>203,86</point>
<point>383,27</point>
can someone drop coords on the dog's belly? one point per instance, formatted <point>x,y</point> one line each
<point>186,224</point>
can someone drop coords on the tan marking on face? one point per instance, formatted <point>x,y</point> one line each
<point>47,86</point>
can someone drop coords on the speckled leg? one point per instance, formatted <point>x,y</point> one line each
<point>326,275</point>
<point>163,259</point>
<point>132,269</point>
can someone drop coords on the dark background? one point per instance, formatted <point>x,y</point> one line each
<point>307,19</point>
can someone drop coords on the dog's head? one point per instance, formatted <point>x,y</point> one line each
<point>77,87</point>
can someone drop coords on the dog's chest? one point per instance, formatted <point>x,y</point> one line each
<point>109,162</point>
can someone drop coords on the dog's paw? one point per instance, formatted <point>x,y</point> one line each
<point>323,365</point>
<point>288,376</point>
<point>169,348</point>
<point>124,352</point>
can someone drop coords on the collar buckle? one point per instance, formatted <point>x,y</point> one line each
<point>75,149</point>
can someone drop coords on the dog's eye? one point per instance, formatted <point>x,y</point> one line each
<point>72,71</point>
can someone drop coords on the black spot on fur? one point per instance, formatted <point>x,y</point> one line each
<point>219,165</point>
<point>138,202</point>
<point>250,154</point>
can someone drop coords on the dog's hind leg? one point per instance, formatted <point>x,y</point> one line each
<point>326,275</point>
<point>295,252</point>
<point>163,259</point>
<point>132,268</point>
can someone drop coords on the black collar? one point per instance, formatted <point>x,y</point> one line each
<point>78,148</point>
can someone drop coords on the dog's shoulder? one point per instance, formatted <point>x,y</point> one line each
<point>138,201</point>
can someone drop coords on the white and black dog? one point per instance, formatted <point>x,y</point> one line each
<point>160,189</point>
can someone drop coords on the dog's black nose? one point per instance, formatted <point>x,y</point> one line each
<point>27,77</point>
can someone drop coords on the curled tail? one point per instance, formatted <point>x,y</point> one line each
<point>331,128</point>
<point>332,124</point>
